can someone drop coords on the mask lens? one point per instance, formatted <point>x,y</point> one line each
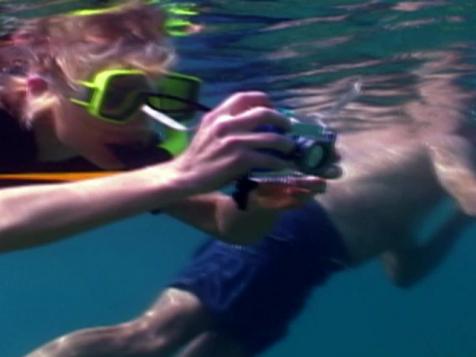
<point>123,96</point>
<point>176,96</point>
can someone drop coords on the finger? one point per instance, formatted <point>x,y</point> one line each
<point>329,172</point>
<point>334,156</point>
<point>251,120</point>
<point>310,184</point>
<point>282,199</point>
<point>263,161</point>
<point>264,141</point>
<point>240,102</point>
<point>299,197</point>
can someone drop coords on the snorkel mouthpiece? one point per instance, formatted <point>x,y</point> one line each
<point>115,95</point>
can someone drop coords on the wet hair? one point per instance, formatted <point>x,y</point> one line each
<point>67,48</point>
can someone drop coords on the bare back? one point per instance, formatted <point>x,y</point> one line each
<point>392,177</point>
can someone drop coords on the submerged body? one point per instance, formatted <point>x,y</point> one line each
<point>394,176</point>
<point>54,72</point>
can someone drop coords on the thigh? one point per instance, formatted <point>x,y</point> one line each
<point>213,344</point>
<point>177,315</point>
<point>171,323</point>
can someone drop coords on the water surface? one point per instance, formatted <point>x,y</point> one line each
<point>306,54</point>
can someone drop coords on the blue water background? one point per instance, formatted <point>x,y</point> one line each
<point>112,274</point>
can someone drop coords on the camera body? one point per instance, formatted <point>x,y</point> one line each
<point>313,145</point>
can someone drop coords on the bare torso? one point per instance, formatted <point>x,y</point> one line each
<point>401,161</point>
<point>387,188</point>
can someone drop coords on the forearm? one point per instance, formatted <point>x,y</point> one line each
<point>411,263</point>
<point>217,214</point>
<point>39,214</point>
<point>198,211</point>
<point>454,160</point>
<point>406,268</point>
<point>244,226</point>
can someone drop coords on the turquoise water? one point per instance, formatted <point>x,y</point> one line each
<point>289,49</point>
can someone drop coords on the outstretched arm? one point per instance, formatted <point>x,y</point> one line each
<point>449,138</point>
<point>454,160</point>
<point>223,148</point>
<point>445,128</point>
<point>411,262</point>
<point>39,214</point>
<point>217,213</point>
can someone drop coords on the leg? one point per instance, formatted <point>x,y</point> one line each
<point>212,344</point>
<point>176,318</point>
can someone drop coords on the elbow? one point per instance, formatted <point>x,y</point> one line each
<point>404,282</point>
<point>8,239</point>
<point>469,207</point>
<point>405,279</point>
<point>16,235</point>
<point>12,225</point>
<point>8,233</point>
<point>402,278</point>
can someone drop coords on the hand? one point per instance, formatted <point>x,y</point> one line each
<point>331,169</point>
<point>265,203</point>
<point>285,192</point>
<point>226,145</point>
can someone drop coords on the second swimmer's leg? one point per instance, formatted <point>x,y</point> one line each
<point>213,344</point>
<point>174,320</point>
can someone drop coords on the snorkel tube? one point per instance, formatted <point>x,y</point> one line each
<point>177,24</point>
<point>173,141</point>
<point>170,104</point>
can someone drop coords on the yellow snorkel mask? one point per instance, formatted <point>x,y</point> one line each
<point>115,95</point>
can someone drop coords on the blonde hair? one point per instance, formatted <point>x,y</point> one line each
<point>67,48</point>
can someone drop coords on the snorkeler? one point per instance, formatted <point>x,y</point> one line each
<point>238,301</point>
<point>79,93</point>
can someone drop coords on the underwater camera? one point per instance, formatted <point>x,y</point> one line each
<point>313,145</point>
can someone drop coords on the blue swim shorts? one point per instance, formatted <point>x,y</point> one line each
<point>254,292</point>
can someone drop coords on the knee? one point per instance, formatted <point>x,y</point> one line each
<point>177,317</point>
<point>98,342</point>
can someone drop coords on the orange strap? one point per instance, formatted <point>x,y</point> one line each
<point>56,176</point>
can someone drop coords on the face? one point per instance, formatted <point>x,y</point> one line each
<point>90,137</point>
<point>58,52</point>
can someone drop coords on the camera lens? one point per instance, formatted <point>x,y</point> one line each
<point>314,156</point>
<point>308,153</point>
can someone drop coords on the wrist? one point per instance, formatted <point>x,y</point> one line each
<point>172,179</point>
<point>186,177</point>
